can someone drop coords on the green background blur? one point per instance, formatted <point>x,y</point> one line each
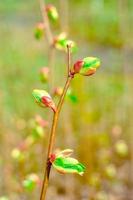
<point>99,118</point>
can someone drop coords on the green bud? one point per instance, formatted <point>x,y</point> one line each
<point>31,182</point>
<point>38,132</point>
<point>44,74</point>
<point>61,42</point>
<point>86,66</point>
<point>121,148</point>
<point>110,171</point>
<point>44,99</point>
<point>52,12</point>
<point>17,155</point>
<point>39,31</point>
<point>71,96</point>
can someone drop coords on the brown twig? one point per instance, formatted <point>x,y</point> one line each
<point>68,58</point>
<point>53,132</point>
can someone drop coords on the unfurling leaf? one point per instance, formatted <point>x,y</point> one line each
<point>52,12</point>
<point>61,41</point>
<point>86,66</point>
<point>39,30</point>
<point>65,164</point>
<point>44,99</point>
<point>68,165</point>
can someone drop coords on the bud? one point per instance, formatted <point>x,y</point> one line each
<point>41,122</point>
<point>17,155</point>
<point>61,42</point>
<point>31,182</point>
<point>110,171</point>
<point>44,74</point>
<point>44,99</point>
<point>86,66</point>
<point>52,12</point>
<point>38,132</point>
<point>58,91</point>
<point>39,30</point>
<point>65,164</point>
<point>71,96</point>
<point>121,148</point>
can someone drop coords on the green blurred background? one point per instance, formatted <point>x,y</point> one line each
<point>96,120</point>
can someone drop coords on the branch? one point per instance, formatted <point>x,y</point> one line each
<point>53,135</point>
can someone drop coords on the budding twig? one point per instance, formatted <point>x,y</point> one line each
<point>53,133</point>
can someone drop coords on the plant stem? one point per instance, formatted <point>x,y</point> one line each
<point>53,132</point>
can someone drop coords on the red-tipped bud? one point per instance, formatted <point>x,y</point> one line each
<point>44,99</point>
<point>78,65</point>
<point>52,157</point>
<point>86,66</point>
<point>52,12</point>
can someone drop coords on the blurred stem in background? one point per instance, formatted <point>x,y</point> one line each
<point>64,13</point>
<point>50,39</point>
<point>125,28</point>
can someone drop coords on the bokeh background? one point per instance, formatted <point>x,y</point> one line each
<point>96,120</point>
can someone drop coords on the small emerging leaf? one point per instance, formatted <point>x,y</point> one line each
<point>61,42</point>
<point>68,165</point>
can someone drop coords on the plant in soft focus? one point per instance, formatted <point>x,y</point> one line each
<point>59,160</point>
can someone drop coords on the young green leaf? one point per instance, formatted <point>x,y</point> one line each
<point>68,165</point>
<point>61,41</point>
